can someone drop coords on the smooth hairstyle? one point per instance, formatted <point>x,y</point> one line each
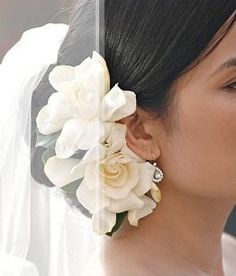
<point>148,45</point>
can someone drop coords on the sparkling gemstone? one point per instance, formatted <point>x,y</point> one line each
<point>158,175</point>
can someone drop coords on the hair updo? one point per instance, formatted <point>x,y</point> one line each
<point>147,46</point>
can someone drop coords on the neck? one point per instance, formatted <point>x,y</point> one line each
<point>182,228</point>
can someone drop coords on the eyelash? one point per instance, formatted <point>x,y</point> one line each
<point>229,87</point>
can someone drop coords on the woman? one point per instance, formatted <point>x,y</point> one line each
<point>177,56</point>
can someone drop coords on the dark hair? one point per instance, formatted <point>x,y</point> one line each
<point>148,45</point>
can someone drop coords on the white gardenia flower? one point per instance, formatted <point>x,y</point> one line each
<point>59,171</point>
<point>146,209</point>
<point>86,111</point>
<point>83,107</point>
<point>114,181</point>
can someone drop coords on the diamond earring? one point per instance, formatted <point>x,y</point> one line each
<point>158,174</point>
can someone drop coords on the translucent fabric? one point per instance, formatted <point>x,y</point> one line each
<point>35,222</point>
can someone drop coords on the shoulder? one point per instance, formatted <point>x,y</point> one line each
<point>229,253</point>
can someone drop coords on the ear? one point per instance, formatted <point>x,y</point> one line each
<point>138,138</point>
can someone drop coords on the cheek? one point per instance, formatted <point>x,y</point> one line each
<point>200,156</point>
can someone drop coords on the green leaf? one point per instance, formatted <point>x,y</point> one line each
<point>47,141</point>
<point>47,154</point>
<point>72,187</point>
<point>79,154</point>
<point>119,219</point>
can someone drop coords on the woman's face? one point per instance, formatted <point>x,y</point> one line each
<point>199,157</point>
<point>200,154</point>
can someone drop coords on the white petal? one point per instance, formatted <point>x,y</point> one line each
<point>98,58</point>
<point>156,193</point>
<point>91,74</point>
<point>59,106</point>
<point>148,202</point>
<point>61,75</point>
<point>93,200</point>
<point>146,171</point>
<point>79,168</point>
<point>91,176</point>
<point>47,126</point>
<point>117,104</point>
<point>126,110</point>
<point>90,162</point>
<point>53,116</point>
<point>116,139</point>
<point>78,134</point>
<point>126,151</point>
<point>94,74</point>
<point>95,153</point>
<point>59,171</point>
<point>129,203</point>
<point>122,191</point>
<point>93,131</point>
<point>103,221</point>
<point>135,215</point>
<point>86,101</point>
<point>83,68</point>
<point>112,101</point>
<point>66,144</point>
<point>106,129</point>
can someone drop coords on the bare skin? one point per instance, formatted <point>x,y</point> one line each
<point>198,158</point>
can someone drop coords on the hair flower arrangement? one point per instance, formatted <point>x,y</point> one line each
<point>81,117</point>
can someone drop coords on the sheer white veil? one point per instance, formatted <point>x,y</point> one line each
<point>28,207</point>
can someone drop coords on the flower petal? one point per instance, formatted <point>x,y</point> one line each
<point>92,132</point>
<point>91,176</point>
<point>90,162</point>
<point>112,101</point>
<point>59,171</point>
<point>95,153</point>
<point>90,73</point>
<point>59,107</point>
<point>93,200</point>
<point>82,69</point>
<point>116,139</point>
<point>106,129</point>
<point>103,221</point>
<point>79,168</point>
<point>106,84</point>
<point>117,104</point>
<point>94,72</point>
<point>78,134</point>
<point>86,102</point>
<point>126,110</point>
<point>60,76</point>
<point>47,126</point>
<point>66,144</point>
<point>129,203</point>
<point>135,215</point>
<point>156,193</point>
<point>146,171</point>
<point>122,191</point>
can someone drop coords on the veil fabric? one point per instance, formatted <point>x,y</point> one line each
<point>39,233</point>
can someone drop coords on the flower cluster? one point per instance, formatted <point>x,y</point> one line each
<point>82,114</point>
